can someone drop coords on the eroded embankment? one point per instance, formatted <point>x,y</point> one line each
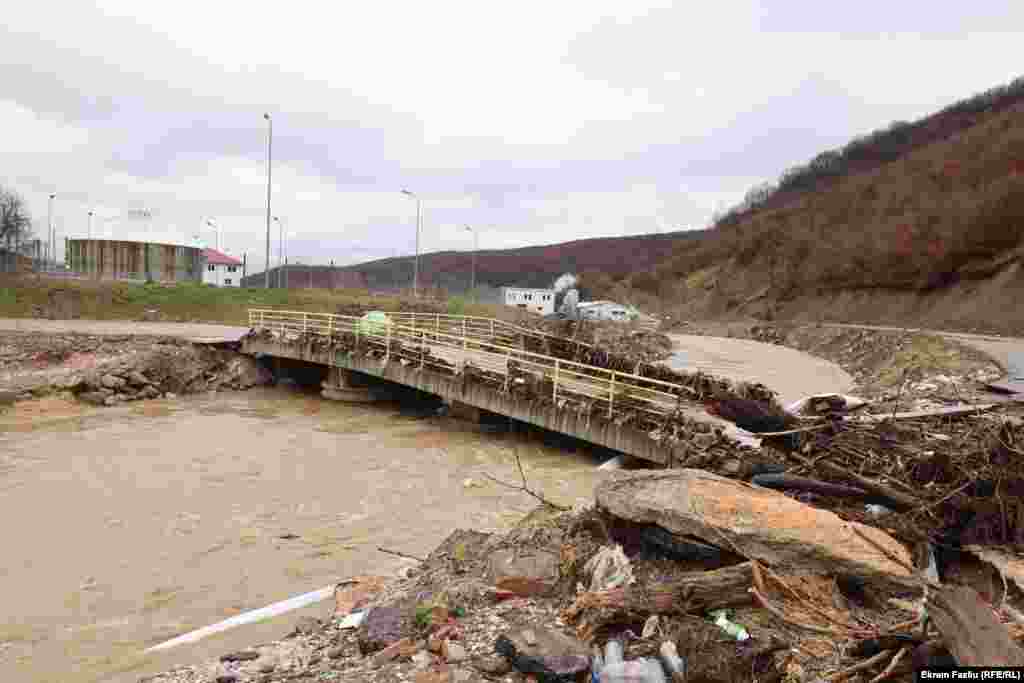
<point>106,370</point>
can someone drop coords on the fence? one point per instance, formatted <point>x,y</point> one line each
<point>450,343</point>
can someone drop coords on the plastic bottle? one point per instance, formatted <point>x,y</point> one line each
<point>612,652</point>
<point>734,630</point>
<point>633,671</point>
<point>675,666</point>
<point>596,665</point>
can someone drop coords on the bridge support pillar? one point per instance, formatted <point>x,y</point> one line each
<point>488,421</point>
<point>463,411</point>
<point>348,386</point>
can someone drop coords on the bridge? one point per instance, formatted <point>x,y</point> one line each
<point>491,366</point>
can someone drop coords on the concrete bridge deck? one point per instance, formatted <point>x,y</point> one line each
<point>649,419</point>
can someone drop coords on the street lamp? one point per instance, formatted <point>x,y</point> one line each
<point>416,262</point>
<point>472,282</point>
<point>270,139</point>
<point>280,248</point>
<point>51,236</point>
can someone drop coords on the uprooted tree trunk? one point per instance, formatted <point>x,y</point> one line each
<point>970,629</point>
<point>695,592</point>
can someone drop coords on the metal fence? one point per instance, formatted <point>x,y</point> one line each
<point>447,342</point>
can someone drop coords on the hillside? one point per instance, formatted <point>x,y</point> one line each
<point>933,237</point>
<point>538,266</point>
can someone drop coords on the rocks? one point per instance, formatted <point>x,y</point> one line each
<point>524,573</point>
<point>307,626</point>
<point>113,382</point>
<point>149,392</point>
<point>8,397</point>
<point>493,666</point>
<point>243,656</point>
<point>453,653</point>
<point>393,651</point>
<point>336,653</point>
<point>95,398</point>
<point>381,627</point>
<point>762,524</point>
<point>545,652</point>
<point>137,379</point>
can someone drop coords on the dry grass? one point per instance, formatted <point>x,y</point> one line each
<point>25,296</point>
<point>950,211</point>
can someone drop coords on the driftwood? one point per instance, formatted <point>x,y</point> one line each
<point>970,629</point>
<point>894,499</point>
<point>695,592</point>
<point>788,481</point>
<point>937,412</point>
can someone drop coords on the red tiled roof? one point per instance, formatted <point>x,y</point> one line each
<point>215,257</point>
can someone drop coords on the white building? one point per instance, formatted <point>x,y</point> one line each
<point>535,300</point>
<point>605,310</point>
<point>221,270</point>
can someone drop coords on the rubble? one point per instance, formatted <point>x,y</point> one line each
<point>116,369</point>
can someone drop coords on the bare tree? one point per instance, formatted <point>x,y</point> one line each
<point>15,222</point>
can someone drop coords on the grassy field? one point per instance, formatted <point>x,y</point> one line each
<point>27,296</point>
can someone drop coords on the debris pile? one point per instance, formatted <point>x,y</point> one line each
<point>165,371</point>
<point>107,370</point>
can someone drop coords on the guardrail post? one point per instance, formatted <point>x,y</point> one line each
<point>465,339</point>
<point>330,326</point>
<point>437,323</point>
<point>387,352</point>
<point>305,322</point>
<point>611,394</point>
<point>492,327</point>
<point>554,389</point>
<point>508,371</point>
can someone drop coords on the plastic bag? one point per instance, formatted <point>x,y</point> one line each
<point>609,568</point>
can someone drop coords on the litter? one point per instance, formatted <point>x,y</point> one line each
<point>609,568</point>
<point>352,620</point>
<point>721,619</point>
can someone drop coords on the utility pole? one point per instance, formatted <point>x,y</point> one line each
<point>270,140</point>
<point>416,261</point>
<point>476,247</point>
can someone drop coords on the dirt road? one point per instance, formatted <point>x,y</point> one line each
<point>192,331</point>
<point>792,373</point>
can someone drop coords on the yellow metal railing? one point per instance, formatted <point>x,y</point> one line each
<point>450,342</point>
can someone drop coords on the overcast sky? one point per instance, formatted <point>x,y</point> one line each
<point>534,122</point>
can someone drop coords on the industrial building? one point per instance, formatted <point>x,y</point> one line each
<point>131,247</point>
<point>109,259</point>
<point>536,300</point>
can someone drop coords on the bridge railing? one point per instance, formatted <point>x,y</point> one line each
<point>446,347</point>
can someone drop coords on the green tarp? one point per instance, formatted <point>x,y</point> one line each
<point>374,322</point>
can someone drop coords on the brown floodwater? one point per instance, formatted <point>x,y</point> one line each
<point>124,527</point>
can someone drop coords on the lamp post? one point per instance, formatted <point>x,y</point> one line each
<point>472,281</point>
<point>270,140</point>
<point>280,248</point>
<point>416,261</point>
<point>52,237</point>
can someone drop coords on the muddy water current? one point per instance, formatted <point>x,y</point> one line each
<point>127,526</point>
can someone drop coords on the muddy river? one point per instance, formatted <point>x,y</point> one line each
<point>127,526</point>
